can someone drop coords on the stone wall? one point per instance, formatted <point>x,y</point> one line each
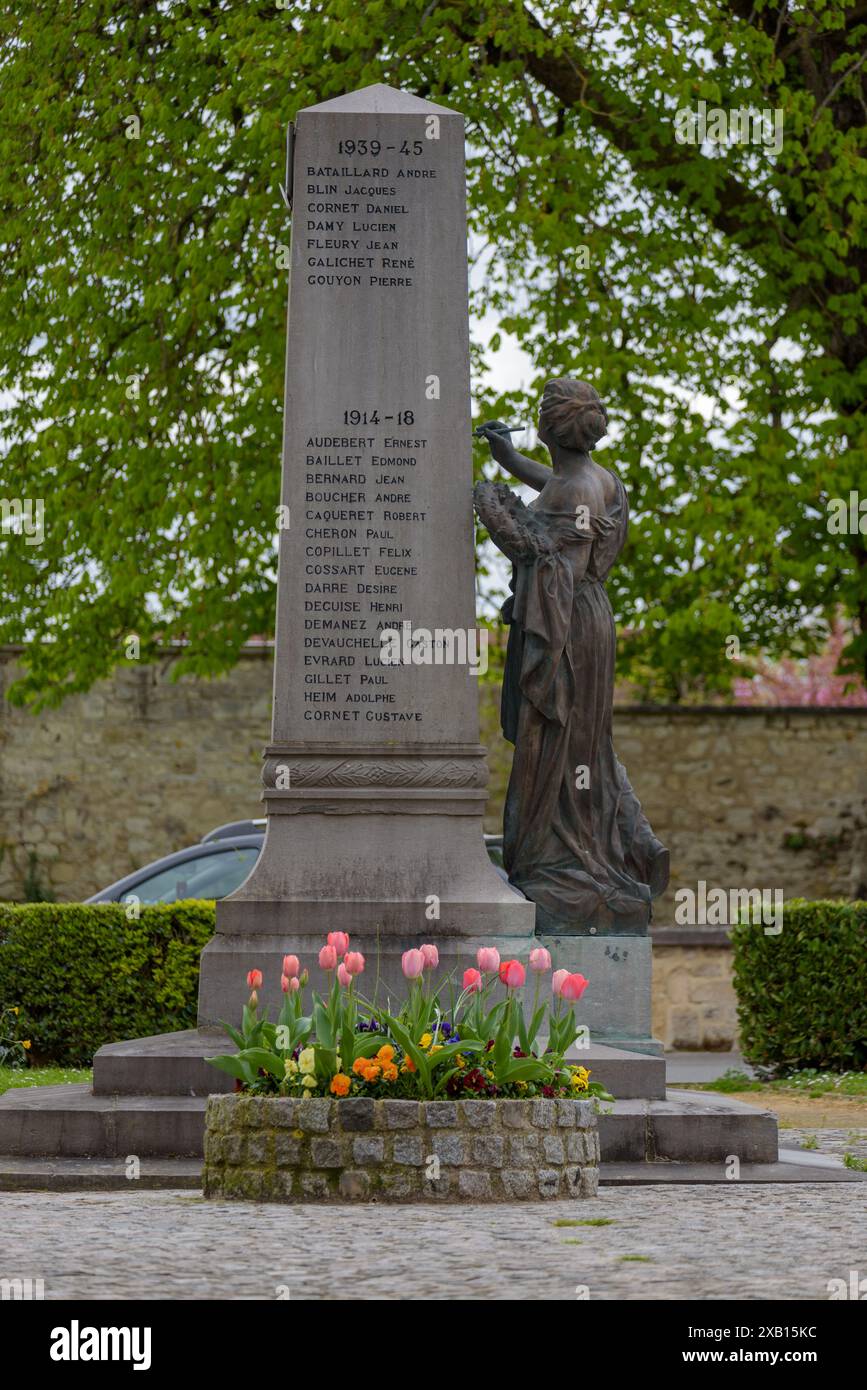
<point>362,1149</point>
<point>753,798</point>
<point>138,767</point>
<point>694,1003</point>
<point>142,765</point>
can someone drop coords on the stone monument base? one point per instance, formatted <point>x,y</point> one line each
<point>616,1006</point>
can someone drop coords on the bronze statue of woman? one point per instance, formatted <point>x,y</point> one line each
<point>576,841</point>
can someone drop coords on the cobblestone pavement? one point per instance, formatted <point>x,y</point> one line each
<point>753,1242</point>
<point>828,1141</point>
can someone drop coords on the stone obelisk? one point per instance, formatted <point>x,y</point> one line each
<point>374,778</point>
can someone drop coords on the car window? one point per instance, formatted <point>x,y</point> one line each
<point>206,876</point>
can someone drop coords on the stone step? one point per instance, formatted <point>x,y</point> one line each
<point>167,1064</point>
<point>791,1167</point>
<point>172,1064</point>
<point>72,1122</point>
<point>688,1127</point>
<point>106,1175</point>
<point>97,1174</point>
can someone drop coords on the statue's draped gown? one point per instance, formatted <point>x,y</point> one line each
<point>576,841</point>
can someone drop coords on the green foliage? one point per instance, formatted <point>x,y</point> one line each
<point>732,1081</point>
<point>802,995</point>
<point>86,975</point>
<point>720,312</point>
<point>859,1165</point>
<point>14,1046</point>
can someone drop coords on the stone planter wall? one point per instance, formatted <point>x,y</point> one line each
<point>271,1150</point>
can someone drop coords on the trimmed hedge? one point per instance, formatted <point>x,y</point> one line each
<point>84,975</point>
<point>802,995</point>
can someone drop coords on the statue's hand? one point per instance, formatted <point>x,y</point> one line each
<point>498,436</point>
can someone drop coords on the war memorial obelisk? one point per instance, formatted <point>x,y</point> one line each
<point>374,777</point>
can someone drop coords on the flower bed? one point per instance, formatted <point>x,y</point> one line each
<point>451,1097</point>
<point>286,1150</point>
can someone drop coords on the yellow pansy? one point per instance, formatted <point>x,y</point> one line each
<point>309,1082</point>
<point>425,1040</point>
<point>307,1061</point>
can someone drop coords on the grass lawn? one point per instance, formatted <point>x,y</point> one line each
<point>802,1083</point>
<point>43,1076</point>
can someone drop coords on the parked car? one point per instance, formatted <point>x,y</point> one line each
<point>214,868</point>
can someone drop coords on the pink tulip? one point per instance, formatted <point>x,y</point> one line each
<point>294,984</point>
<point>472,981</point>
<point>339,940</point>
<point>284,983</point>
<point>557,981</point>
<point>431,957</point>
<point>327,958</point>
<point>291,966</point>
<point>344,976</point>
<point>512,974</point>
<point>488,958</point>
<point>540,959</point>
<point>354,962</point>
<point>573,987</point>
<point>412,963</point>
<point>254,978</point>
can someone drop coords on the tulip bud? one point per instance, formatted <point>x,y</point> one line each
<point>412,963</point>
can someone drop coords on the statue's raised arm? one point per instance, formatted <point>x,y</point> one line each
<point>526,470</point>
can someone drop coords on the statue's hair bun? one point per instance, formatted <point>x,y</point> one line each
<point>572,414</point>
